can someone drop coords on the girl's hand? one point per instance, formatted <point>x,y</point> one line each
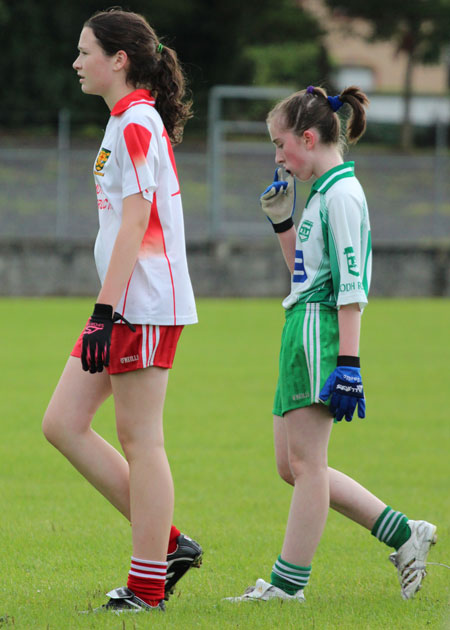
<point>97,339</point>
<point>278,201</point>
<point>345,387</point>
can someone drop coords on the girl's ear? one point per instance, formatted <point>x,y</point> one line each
<point>121,60</point>
<point>310,138</point>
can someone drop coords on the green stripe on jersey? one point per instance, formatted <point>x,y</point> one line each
<point>323,183</point>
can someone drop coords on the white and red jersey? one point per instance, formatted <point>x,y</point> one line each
<point>136,156</point>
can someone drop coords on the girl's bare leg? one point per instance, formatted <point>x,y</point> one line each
<point>347,496</point>
<point>307,430</point>
<point>139,401</point>
<point>67,425</point>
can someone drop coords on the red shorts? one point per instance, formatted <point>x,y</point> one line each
<point>150,345</point>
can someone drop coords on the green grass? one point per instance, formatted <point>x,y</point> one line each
<point>62,547</point>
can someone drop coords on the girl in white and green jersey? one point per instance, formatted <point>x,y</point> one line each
<point>329,257</point>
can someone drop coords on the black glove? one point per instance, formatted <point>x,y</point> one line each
<point>97,338</point>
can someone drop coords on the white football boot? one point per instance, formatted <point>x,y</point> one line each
<point>262,592</point>
<point>411,557</point>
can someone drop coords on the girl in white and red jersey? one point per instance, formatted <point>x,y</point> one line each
<point>145,300</point>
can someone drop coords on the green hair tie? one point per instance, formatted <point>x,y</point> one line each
<point>160,47</point>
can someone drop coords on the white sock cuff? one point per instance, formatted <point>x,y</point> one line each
<point>147,562</point>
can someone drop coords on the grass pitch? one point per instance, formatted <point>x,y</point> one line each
<point>62,546</point>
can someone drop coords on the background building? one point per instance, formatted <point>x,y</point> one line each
<point>377,66</point>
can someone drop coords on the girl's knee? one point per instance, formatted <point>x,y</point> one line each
<point>60,428</point>
<point>51,428</point>
<point>141,444</point>
<point>301,467</point>
<point>285,472</point>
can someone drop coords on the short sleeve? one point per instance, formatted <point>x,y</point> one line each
<point>138,154</point>
<point>348,253</point>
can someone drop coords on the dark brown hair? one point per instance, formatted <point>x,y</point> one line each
<point>151,66</point>
<point>311,108</point>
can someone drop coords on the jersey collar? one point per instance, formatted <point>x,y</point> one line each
<point>328,179</point>
<point>137,97</point>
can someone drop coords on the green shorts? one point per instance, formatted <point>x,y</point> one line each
<point>309,350</point>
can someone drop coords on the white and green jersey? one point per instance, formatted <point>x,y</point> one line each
<point>333,254</point>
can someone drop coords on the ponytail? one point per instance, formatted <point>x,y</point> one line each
<point>168,85</point>
<point>313,108</point>
<point>358,101</point>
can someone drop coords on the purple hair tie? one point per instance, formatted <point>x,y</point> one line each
<point>335,102</point>
<point>310,89</point>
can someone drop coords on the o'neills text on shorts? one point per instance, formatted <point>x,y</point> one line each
<point>301,396</point>
<point>134,357</point>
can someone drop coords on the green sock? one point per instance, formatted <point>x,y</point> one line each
<point>289,577</point>
<point>392,528</point>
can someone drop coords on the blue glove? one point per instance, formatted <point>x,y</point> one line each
<point>345,387</point>
<point>278,201</point>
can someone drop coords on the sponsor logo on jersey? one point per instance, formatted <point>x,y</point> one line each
<point>351,286</point>
<point>352,265</point>
<point>102,200</point>
<point>305,230</point>
<point>299,274</point>
<point>102,158</point>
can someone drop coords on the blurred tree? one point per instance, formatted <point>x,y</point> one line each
<point>420,29</point>
<point>41,39</point>
<point>284,46</point>
<point>3,11</point>
<point>218,42</point>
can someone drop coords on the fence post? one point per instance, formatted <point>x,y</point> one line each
<point>440,159</point>
<point>62,196</point>
<point>214,162</point>
<point>217,142</point>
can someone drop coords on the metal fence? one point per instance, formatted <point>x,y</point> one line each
<point>48,192</point>
<point>408,194</point>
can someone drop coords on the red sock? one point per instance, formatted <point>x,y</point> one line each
<point>147,579</point>
<point>174,533</point>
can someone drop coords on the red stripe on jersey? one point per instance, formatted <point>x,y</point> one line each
<point>137,138</point>
<point>172,160</point>
<point>126,292</point>
<point>154,243</point>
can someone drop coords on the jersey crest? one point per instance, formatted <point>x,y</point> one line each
<point>102,158</point>
<point>305,230</point>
